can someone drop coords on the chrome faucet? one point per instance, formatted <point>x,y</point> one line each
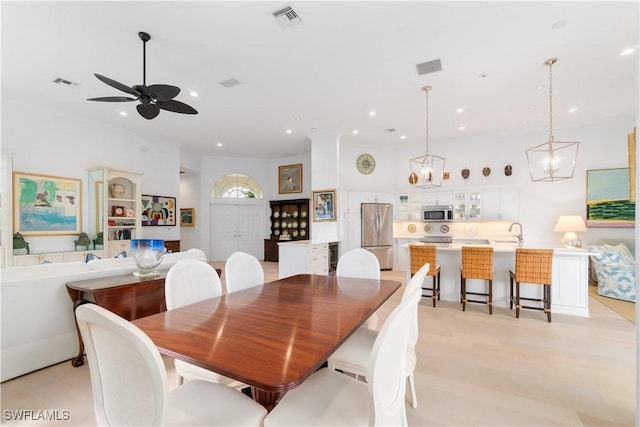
<point>518,236</point>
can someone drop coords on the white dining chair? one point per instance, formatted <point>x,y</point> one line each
<point>363,264</point>
<point>353,354</point>
<point>129,381</point>
<point>189,281</point>
<point>242,271</point>
<point>329,398</point>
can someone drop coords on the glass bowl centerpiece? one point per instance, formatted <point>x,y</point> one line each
<point>147,253</point>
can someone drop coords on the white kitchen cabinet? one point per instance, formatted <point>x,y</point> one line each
<point>467,205</point>
<point>302,257</point>
<point>500,204</point>
<point>437,198</point>
<point>356,198</point>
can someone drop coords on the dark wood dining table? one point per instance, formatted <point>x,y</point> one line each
<point>272,336</point>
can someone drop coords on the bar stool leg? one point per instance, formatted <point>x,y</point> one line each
<point>510,291</point>
<point>517,300</point>
<point>490,302</point>
<point>547,291</point>
<point>436,291</point>
<point>438,282</point>
<point>463,292</point>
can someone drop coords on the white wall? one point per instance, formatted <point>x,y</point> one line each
<point>59,144</point>
<point>601,146</point>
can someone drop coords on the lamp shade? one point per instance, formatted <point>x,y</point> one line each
<point>570,223</point>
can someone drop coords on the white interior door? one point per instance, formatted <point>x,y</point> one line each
<point>236,228</point>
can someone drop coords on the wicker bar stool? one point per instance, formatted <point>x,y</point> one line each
<point>532,266</point>
<point>477,263</point>
<point>420,255</point>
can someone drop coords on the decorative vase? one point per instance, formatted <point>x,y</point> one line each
<point>117,191</point>
<point>147,253</point>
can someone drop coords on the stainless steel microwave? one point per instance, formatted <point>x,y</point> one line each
<point>437,213</point>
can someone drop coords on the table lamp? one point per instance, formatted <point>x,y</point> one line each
<point>570,224</point>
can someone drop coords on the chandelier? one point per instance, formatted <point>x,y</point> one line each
<point>426,171</point>
<point>553,160</point>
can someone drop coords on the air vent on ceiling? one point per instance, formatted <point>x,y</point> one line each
<point>429,67</point>
<point>287,17</point>
<point>231,83</point>
<point>60,80</point>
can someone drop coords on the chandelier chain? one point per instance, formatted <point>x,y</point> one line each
<point>551,100</point>
<point>427,121</point>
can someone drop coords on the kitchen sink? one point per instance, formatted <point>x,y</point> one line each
<point>506,241</point>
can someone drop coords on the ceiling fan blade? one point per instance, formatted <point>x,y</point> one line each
<point>148,111</point>
<point>177,107</point>
<point>117,85</point>
<point>112,99</point>
<point>162,93</point>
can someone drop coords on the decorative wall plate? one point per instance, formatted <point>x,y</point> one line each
<point>444,228</point>
<point>411,228</point>
<point>276,214</point>
<point>428,228</point>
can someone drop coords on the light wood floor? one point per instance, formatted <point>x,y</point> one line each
<point>473,369</point>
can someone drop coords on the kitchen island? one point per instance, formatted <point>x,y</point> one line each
<point>306,257</point>
<point>570,277</point>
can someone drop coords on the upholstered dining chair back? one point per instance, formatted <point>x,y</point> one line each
<point>129,381</point>
<point>189,281</point>
<point>387,369</point>
<point>242,271</point>
<point>359,263</point>
<point>128,377</point>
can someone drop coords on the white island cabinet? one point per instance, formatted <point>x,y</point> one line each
<point>302,256</point>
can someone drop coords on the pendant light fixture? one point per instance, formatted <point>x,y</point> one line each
<point>553,160</point>
<point>427,171</point>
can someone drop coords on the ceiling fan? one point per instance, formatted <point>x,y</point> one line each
<point>152,98</point>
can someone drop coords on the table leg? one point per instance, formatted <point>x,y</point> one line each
<point>76,297</point>
<point>266,398</point>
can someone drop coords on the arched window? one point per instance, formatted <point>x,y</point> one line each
<point>236,185</point>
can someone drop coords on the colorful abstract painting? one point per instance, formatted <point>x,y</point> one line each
<point>46,205</point>
<point>608,203</point>
<point>158,210</point>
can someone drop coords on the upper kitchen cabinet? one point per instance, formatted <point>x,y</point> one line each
<point>356,198</point>
<point>486,205</point>
<point>437,198</point>
<point>500,204</point>
<point>115,208</point>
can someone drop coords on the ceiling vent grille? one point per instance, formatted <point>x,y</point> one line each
<point>287,17</point>
<point>429,67</point>
<point>231,83</point>
<point>60,80</point>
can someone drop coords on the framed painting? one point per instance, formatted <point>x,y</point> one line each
<point>187,217</point>
<point>158,211</point>
<point>290,179</point>
<point>608,202</point>
<point>324,205</point>
<point>46,205</point>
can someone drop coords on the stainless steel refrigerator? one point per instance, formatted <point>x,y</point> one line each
<point>377,232</point>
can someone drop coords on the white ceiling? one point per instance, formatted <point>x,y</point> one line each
<point>343,60</point>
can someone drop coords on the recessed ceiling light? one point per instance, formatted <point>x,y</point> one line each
<point>531,107</point>
<point>123,113</point>
<point>460,110</point>
<point>193,93</point>
<point>355,131</point>
<point>572,109</point>
<point>558,25</point>
<point>540,87</point>
<point>289,131</point>
<point>314,129</point>
<point>403,136</point>
<point>297,119</point>
<point>627,51</point>
<point>218,144</point>
<point>524,122</point>
<point>461,128</point>
<point>372,113</point>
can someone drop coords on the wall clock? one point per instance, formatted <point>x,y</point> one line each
<point>366,164</point>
